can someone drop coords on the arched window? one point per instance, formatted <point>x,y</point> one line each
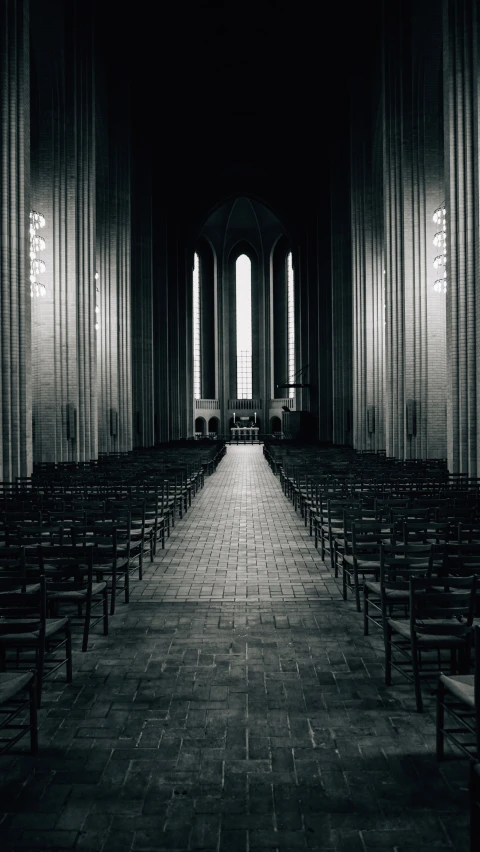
<point>243,278</point>
<point>291,324</point>
<point>197,371</point>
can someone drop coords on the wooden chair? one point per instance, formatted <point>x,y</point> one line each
<point>440,620</point>
<point>474,789</point>
<point>110,557</point>
<point>69,574</point>
<point>17,697</point>
<point>28,639</point>
<point>361,553</point>
<point>390,591</point>
<point>458,697</point>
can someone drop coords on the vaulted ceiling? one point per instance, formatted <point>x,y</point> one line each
<point>248,96</point>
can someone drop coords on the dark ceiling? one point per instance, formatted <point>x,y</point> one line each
<point>245,94</point>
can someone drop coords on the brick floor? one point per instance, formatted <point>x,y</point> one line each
<point>235,705</point>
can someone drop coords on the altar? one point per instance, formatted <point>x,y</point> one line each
<point>244,433</point>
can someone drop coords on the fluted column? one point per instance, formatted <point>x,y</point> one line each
<point>15,307</point>
<point>425,315</point>
<point>174,339</point>
<point>341,278</point>
<point>161,322</point>
<point>461,116</point>
<point>115,359</point>
<point>142,302</point>
<point>394,62</point>
<point>368,281</point>
<point>63,191</point>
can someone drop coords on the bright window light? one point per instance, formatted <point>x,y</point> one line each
<point>197,383</point>
<point>291,324</point>
<point>243,274</point>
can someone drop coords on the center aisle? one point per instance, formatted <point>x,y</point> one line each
<point>235,706</point>
<point>240,540</point>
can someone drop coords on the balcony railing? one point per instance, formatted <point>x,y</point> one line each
<point>207,403</point>
<point>245,404</point>
<point>279,403</point>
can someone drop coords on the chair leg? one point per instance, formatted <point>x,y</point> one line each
<point>40,654</point>
<point>33,717</point>
<point>365,609</point>
<point>388,654</point>
<point>344,582</point>
<point>86,626</point>
<point>357,586</point>
<point>113,591</point>
<point>105,611</point>
<point>416,678</point>
<point>440,721</point>
<point>68,652</point>
<point>127,585</point>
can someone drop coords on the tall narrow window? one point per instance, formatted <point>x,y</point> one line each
<point>243,275</point>
<point>291,324</point>
<point>197,382</point>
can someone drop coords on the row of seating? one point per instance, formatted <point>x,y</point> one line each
<point>405,538</point>
<point>71,538</point>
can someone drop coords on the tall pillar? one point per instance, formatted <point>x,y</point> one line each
<point>114,334</point>
<point>142,301</point>
<point>161,330</point>
<point>15,307</point>
<point>425,326</point>
<point>63,191</point>
<point>394,63</point>
<point>174,338</point>
<point>368,279</point>
<point>341,283</point>
<point>461,117</point>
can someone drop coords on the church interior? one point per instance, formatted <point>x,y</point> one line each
<point>239,452</point>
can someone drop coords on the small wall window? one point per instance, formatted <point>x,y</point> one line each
<point>243,276</point>
<point>291,323</point>
<point>197,370</point>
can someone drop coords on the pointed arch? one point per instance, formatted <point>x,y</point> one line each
<point>204,334</point>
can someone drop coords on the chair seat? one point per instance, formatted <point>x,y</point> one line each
<point>51,627</point>
<point>11,683</point>
<point>433,640</point>
<point>76,594</point>
<point>107,569</point>
<point>390,594</point>
<point>462,686</point>
<point>363,565</point>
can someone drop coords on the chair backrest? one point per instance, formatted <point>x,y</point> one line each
<point>65,566</point>
<point>442,607</point>
<point>398,563</point>
<point>461,558</point>
<point>425,532</point>
<point>22,609</point>
<point>104,539</point>
<point>366,537</point>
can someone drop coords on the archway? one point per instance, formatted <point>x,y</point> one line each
<point>213,425</point>
<point>275,424</point>
<point>200,426</point>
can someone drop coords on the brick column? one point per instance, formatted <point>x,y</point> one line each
<point>15,307</point>
<point>461,116</point>
<point>341,278</point>
<point>142,302</point>
<point>63,190</point>
<point>161,330</point>
<point>396,240</point>
<point>368,279</point>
